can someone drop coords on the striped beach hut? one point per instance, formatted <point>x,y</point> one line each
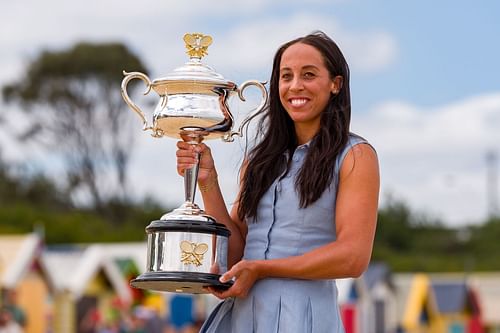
<point>380,286</point>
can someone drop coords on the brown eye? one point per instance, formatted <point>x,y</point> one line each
<point>309,75</point>
<point>285,76</point>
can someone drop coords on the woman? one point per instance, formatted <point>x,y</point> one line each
<point>307,206</point>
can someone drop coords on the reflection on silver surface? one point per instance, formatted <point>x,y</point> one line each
<point>183,110</point>
<point>193,95</point>
<point>165,252</point>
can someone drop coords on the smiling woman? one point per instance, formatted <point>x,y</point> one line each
<point>307,205</point>
<point>305,87</point>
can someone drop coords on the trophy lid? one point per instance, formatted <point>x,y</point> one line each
<point>193,76</point>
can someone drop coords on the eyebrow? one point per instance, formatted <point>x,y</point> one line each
<point>306,67</point>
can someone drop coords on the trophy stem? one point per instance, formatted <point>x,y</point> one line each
<point>190,180</point>
<point>193,136</point>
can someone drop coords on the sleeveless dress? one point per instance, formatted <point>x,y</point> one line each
<point>282,229</point>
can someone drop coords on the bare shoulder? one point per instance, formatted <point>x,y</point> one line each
<point>360,158</point>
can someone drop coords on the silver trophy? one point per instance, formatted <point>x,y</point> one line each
<point>187,249</point>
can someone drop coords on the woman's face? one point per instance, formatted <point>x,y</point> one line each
<point>305,85</point>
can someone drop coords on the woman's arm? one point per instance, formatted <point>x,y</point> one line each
<point>213,200</point>
<point>349,254</point>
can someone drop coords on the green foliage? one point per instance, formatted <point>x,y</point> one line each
<point>77,112</point>
<point>412,242</point>
<point>36,203</point>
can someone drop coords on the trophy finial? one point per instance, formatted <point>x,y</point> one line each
<point>197,44</point>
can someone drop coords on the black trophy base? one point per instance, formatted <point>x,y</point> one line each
<point>179,282</point>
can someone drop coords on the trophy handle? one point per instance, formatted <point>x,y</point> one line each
<point>128,77</point>
<point>228,137</point>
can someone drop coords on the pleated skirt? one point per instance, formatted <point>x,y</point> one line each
<point>280,306</point>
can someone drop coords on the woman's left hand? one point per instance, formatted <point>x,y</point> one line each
<point>245,273</point>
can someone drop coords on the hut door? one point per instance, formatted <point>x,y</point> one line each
<point>379,316</point>
<point>87,315</point>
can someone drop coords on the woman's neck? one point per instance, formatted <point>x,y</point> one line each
<point>304,134</point>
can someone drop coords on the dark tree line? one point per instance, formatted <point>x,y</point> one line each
<point>75,111</point>
<point>410,241</point>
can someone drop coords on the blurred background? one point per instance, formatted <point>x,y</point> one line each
<point>80,180</point>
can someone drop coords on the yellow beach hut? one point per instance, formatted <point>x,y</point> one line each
<point>24,280</point>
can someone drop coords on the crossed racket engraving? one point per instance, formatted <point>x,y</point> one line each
<point>192,253</point>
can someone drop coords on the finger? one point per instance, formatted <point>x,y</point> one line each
<point>216,292</point>
<point>222,294</point>
<point>185,153</point>
<point>184,145</point>
<point>186,160</point>
<point>229,275</point>
<point>202,148</point>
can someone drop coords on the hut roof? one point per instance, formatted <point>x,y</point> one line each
<point>17,254</point>
<point>377,272</point>
<point>451,297</point>
<point>72,269</point>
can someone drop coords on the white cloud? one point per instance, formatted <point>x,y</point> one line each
<point>251,46</point>
<point>243,45</point>
<point>435,158</point>
<point>370,52</point>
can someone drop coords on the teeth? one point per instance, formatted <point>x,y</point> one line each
<point>298,101</point>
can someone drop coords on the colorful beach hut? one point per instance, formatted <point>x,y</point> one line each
<point>416,305</point>
<point>378,282</point>
<point>87,283</point>
<point>457,306</point>
<point>356,308</point>
<point>24,276</point>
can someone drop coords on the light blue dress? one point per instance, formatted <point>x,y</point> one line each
<point>283,229</point>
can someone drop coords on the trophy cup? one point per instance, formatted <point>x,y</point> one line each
<point>186,248</point>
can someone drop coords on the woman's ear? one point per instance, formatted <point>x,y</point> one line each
<point>336,84</point>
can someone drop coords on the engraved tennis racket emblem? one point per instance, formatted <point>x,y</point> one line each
<point>192,253</point>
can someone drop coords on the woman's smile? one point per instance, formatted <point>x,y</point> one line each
<point>298,102</point>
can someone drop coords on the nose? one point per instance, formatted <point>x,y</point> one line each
<point>296,84</point>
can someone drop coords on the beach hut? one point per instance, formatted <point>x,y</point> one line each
<point>487,288</point>
<point>356,308</point>
<point>416,304</point>
<point>457,307</point>
<point>87,283</point>
<point>23,276</point>
<point>378,282</point>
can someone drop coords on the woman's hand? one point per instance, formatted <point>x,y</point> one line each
<point>245,273</point>
<point>189,154</point>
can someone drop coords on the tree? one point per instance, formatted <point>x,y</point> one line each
<point>76,109</point>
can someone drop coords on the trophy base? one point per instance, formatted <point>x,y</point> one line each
<point>179,282</point>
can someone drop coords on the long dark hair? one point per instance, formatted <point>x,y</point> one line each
<point>268,159</point>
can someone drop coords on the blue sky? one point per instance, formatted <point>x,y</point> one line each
<point>447,49</point>
<point>425,80</point>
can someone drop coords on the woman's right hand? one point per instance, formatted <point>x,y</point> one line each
<point>187,156</point>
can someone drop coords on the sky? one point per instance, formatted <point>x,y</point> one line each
<point>425,82</point>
